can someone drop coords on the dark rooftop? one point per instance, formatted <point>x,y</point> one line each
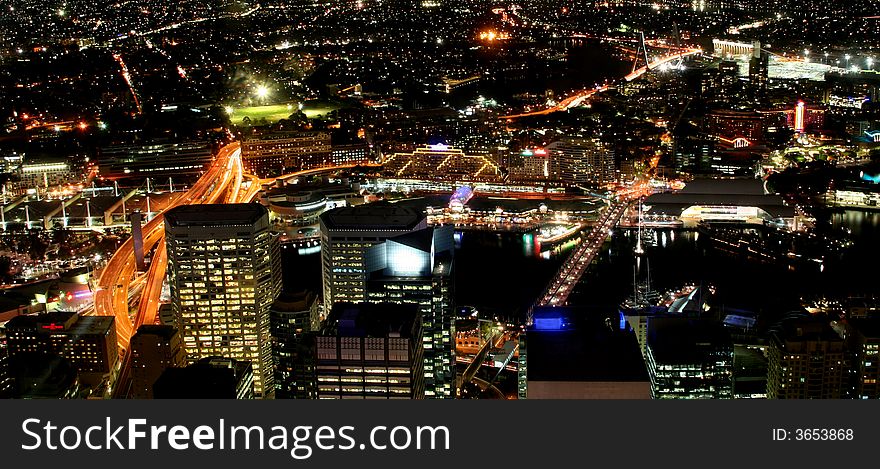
<point>749,362</point>
<point>867,327</point>
<point>294,301</point>
<point>163,331</point>
<point>733,192</point>
<point>589,350</point>
<point>69,321</point>
<point>215,215</point>
<point>806,329</point>
<point>209,378</point>
<point>372,320</point>
<point>34,321</point>
<point>380,215</point>
<point>93,325</point>
<point>685,340</point>
<point>39,376</point>
<point>724,187</point>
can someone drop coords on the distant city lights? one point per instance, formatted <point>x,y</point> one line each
<point>494,36</point>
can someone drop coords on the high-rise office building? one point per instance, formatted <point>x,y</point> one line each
<point>749,373</point>
<point>417,268</point>
<point>759,66</point>
<point>208,378</point>
<point>572,353</point>
<point>370,351</point>
<point>224,271</point>
<point>863,343</point>
<point>346,233</point>
<point>385,253</point>
<point>807,360</point>
<point>728,71</point>
<point>153,349</point>
<point>292,317</point>
<point>689,359</point>
<point>582,162</point>
<point>87,342</point>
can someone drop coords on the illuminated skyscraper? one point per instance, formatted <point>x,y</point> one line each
<point>292,317</point>
<point>385,253</point>
<point>370,351</point>
<point>807,360</point>
<point>759,67</point>
<point>224,271</point>
<point>689,359</point>
<point>346,233</point>
<point>863,336</point>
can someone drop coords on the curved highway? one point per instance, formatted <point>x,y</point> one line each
<point>578,98</point>
<point>112,293</point>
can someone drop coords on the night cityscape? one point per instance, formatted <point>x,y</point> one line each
<point>439,199</point>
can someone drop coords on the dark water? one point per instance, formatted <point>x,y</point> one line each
<point>503,274</point>
<point>682,257</point>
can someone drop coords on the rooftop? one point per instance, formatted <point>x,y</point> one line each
<point>724,187</point>
<point>730,192</point>
<point>66,321</point>
<point>685,340</point>
<point>372,320</point>
<point>588,350</point>
<point>163,331</point>
<point>294,301</point>
<point>867,327</point>
<point>209,378</point>
<point>93,325</point>
<point>383,216</point>
<point>806,329</point>
<point>215,215</point>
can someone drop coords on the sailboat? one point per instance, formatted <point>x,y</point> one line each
<point>640,249</point>
<point>644,296</point>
